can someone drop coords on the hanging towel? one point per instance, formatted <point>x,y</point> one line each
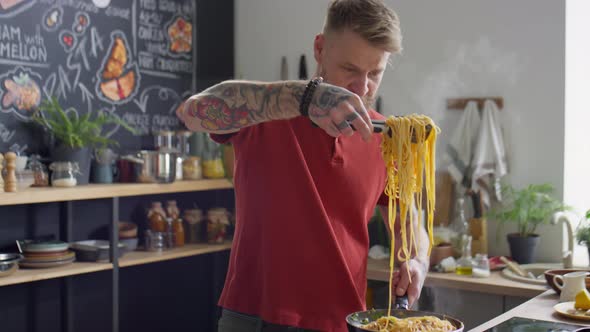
<point>461,146</point>
<point>489,157</point>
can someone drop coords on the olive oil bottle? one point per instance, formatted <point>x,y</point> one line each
<point>465,263</point>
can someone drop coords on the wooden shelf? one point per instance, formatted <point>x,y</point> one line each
<point>95,191</point>
<point>29,275</point>
<point>146,257</point>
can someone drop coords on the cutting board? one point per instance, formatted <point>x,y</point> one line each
<point>443,212</point>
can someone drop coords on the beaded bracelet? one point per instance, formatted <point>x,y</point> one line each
<point>308,94</point>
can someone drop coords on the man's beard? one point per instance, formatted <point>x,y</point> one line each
<point>368,101</point>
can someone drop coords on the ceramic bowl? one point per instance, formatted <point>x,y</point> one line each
<point>549,274</point>
<point>127,230</point>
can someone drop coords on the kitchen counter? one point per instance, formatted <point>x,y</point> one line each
<point>540,307</point>
<point>495,284</point>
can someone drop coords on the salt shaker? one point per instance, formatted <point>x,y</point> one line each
<point>10,179</point>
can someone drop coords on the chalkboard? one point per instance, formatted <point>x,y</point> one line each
<point>135,59</point>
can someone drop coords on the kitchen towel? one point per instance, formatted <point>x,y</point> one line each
<point>489,156</point>
<point>460,149</point>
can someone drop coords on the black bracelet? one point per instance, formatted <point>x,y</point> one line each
<point>308,94</point>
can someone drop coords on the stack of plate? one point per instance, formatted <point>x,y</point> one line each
<point>46,254</point>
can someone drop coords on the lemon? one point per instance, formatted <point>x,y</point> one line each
<point>582,300</point>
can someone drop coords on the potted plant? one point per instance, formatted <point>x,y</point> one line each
<point>528,207</point>
<point>583,232</point>
<point>75,134</point>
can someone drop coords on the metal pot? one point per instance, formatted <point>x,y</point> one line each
<point>154,166</point>
<point>357,320</point>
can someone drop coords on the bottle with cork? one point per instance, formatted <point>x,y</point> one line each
<point>176,223</point>
<point>157,218</point>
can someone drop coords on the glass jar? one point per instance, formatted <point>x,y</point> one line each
<point>40,176</point>
<point>481,266</point>
<point>193,223</point>
<point>217,222</point>
<point>165,140</point>
<point>157,218</point>
<point>64,173</point>
<point>213,160</point>
<point>172,210</point>
<point>191,168</point>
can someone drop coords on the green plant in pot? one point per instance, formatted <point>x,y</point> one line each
<point>583,232</point>
<point>528,208</point>
<point>75,135</point>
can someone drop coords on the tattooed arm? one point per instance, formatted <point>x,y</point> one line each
<point>231,105</point>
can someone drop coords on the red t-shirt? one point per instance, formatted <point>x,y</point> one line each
<point>303,201</point>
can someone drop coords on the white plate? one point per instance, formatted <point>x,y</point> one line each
<point>567,309</point>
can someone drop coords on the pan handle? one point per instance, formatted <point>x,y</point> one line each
<point>401,302</point>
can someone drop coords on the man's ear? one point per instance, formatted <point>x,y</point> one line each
<point>318,47</point>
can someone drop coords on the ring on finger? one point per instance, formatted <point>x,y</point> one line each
<point>343,125</point>
<point>352,116</point>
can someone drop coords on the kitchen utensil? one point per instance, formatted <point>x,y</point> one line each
<point>9,264</point>
<point>302,67</point>
<point>356,320</point>
<point>94,250</point>
<point>154,166</point>
<point>284,69</point>
<point>549,274</point>
<point>379,126</point>
<point>570,284</point>
<point>568,309</point>
<point>514,267</point>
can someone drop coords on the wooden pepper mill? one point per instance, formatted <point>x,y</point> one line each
<point>10,179</point>
<point>1,176</point>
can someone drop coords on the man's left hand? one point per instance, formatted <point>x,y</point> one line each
<point>401,284</point>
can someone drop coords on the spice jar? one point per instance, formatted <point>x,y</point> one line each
<point>178,230</point>
<point>191,168</point>
<point>217,222</point>
<point>157,218</point>
<point>193,225</point>
<point>41,179</point>
<point>64,173</point>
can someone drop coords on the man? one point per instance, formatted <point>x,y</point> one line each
<point>305,192</point>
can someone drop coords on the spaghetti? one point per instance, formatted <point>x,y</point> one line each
<point>410,324</point>
<point>408,150</point>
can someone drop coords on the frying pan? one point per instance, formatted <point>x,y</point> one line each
<point>356,320</point>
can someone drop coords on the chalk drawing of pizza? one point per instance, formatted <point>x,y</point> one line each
<point>9,8</point>
<point>118,77</point>
<point>180,35</point>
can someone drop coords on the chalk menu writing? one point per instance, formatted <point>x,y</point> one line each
<point>133,59</point>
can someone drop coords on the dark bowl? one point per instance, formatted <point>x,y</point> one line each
<point>549,274</point>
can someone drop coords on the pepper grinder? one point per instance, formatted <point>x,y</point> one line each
<point>10,179</point>
<point>1,176</point>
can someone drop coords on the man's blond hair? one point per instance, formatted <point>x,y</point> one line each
<point>371,19</point>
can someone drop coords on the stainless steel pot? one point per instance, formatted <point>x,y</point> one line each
<point>154,166</point>
<point>357,320</point>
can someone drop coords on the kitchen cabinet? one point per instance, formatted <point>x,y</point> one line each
<point>112,192</point>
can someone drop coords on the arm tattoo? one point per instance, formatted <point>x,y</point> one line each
<point>234,105</point>
<point>326,100</point>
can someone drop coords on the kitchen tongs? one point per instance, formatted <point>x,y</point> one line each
<point>379,126</point>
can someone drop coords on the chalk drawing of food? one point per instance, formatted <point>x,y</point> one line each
<point>10,8</point>
<point>21,92</point>
<point>7,4</point>
<point>118,77</point>
<point>180,35</point>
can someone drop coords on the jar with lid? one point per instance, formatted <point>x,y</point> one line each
<point>64,173</point>
<point>172,210</point>
<point>40,176</point>
<point>157,218</point>
<point>217,222</point>
<point>481,266</point>
<point>165,140</point>
<point>191,168</point>
<point>193,223</point>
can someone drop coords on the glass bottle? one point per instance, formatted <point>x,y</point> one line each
<point>481,266</point>
<point>459,226</point>
<point>465,263</point>
<point>172,210</point>
<point>178,229</point>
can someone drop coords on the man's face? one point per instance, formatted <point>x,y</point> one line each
<point>347,60</point>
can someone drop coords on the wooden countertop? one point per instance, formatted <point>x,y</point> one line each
<point>540,307</point>
<point>495,284</point>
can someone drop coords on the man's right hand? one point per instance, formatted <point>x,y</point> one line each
<point>335,109</point>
